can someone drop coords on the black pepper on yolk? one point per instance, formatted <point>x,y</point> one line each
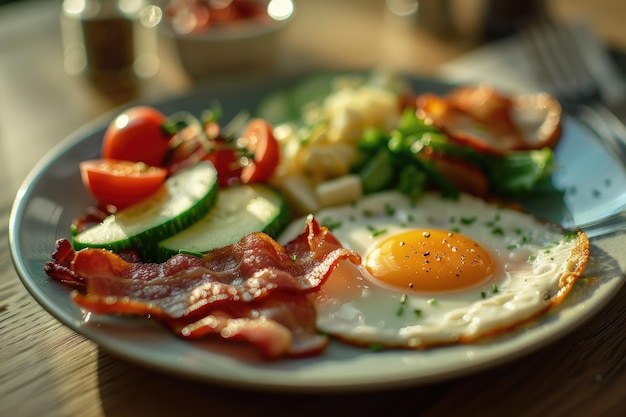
<point>429,260</point>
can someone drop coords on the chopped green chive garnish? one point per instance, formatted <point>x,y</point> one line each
<point>331,224</point>
<point>570,235</point>
<point>376,232</point>
<point>468,220</point>
<point>497,231</point>
<point>376,347</point>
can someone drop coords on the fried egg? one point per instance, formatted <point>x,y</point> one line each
<point>441,271</point>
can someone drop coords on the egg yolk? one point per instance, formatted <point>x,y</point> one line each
<point>429,260</point>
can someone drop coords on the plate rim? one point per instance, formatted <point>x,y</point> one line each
<point>83,134</point>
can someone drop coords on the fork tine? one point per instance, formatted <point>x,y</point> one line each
<point>562,69</point>
<point>560,64</point>
<point>548,75</point>
<point>578,68</point>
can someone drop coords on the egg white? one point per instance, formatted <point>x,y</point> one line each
<point>536,264</point>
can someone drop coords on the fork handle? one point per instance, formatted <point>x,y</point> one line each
<point>609,128</point>
<point>607,226</point>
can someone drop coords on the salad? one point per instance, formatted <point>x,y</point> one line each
<point>190,207</point>
<point>368,133</point>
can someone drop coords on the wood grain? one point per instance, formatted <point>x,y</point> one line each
<point>48,370</point>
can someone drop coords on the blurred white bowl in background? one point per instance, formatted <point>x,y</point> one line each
<point>238,46</point>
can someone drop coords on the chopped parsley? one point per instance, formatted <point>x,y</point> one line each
<point>376,347</point>
<point>376,232</point>
<point>331,224</point>
<point>389,209</point>
<point>497,231</point>
<point>468,221</point>
<point>570,235</point>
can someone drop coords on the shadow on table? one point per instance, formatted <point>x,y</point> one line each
<point>585,362</point>
<point>130,390</point>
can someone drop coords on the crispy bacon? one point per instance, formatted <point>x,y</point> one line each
<point>254,290</point>
<point>60,267</point>
<point>480,117</point>
<point>274,325</point>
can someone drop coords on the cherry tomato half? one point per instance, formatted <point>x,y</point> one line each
<point>259,140</point>
<point>226,162</point>
<point>137,135</point>
<point>121,183</point>
<point>192,147</point>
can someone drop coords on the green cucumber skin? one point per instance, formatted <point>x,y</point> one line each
<point>281,222</point>
<point>283,219</point>
<point>273,228</point>
<point>146,241</point>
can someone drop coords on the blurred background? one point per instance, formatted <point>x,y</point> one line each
<point>67,66</point>
<point>64,63</point>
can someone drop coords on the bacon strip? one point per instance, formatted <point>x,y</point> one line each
<point>480,117</point>
<point>254,290</point>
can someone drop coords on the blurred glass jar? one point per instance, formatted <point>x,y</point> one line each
<point>112,42</point>
<point>476,19</point>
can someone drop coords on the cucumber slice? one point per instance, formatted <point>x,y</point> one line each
<point>239,210</point>
<point>186,197</point>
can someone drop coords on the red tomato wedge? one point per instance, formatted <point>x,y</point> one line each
<point>121,183</point>
<point>226,162</point>
<point>137,135</point>
<point>259,140</point>
<point>191,148</point>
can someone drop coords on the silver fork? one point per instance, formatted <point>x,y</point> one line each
<point>561,69</point>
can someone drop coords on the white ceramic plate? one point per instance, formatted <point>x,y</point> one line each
<point>52,196</point>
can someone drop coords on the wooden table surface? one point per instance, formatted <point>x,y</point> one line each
<point>48,370</point>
